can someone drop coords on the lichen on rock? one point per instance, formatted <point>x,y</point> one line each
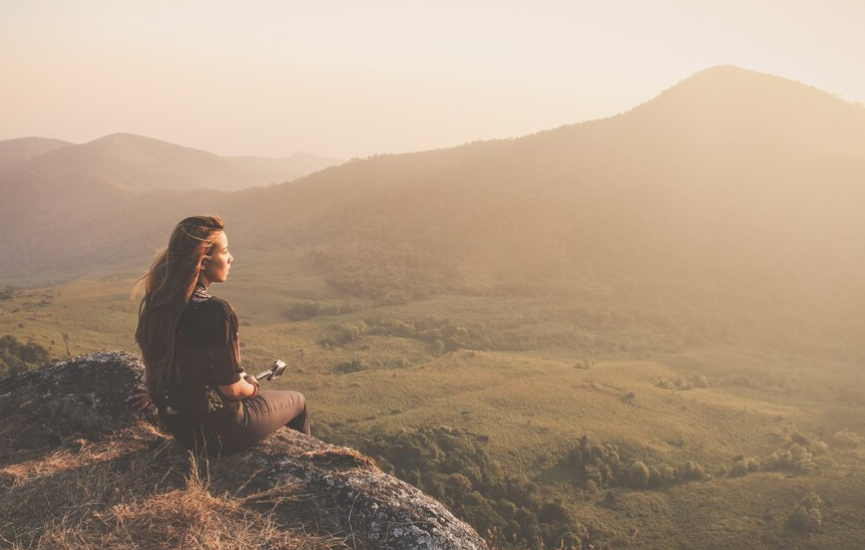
<point>336,491</point>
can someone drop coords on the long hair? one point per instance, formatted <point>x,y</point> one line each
<point>168,286</point>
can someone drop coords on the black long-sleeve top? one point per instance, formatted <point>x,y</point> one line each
<point>208,355</point>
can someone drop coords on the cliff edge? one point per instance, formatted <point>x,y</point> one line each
<point>79,467</point>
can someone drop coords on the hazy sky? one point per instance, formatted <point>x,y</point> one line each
<point>353,79</point>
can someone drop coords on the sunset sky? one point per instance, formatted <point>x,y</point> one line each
<point>349,79</point>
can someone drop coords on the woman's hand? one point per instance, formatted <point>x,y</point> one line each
<point>254,381</point>
<point>140,398</point>
<point>240,389</point>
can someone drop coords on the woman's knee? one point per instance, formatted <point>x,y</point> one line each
<point>301,400</point>
<point>290,399</point>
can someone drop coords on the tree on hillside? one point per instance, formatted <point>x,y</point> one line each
<point>638,474</point>
<point>16,357</point>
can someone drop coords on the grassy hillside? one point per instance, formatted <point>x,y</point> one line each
<point>521,389</point>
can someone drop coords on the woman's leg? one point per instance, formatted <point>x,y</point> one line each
<point>270,409</point>
<point>262,415</point>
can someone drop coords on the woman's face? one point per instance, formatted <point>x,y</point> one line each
<point>216,266</point>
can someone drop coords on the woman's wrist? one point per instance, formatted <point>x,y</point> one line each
<point>254,382</point>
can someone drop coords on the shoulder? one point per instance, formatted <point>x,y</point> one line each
<point>219,307</point>
<point>216,302</point>
<point>213,310</point>
<point>216,322</point>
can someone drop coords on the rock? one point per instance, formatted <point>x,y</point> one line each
<point>84,397</point>
<point>342,492</point>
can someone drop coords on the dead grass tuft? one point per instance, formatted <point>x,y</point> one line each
<point>341,457</point>
<point>130,493</point>
<point>79,453</point>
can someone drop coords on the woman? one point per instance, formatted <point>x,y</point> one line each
<point>190,345</point>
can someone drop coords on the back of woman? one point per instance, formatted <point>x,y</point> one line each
<point>190,345</point>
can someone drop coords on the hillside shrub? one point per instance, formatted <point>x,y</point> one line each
<point>682,384</point>
<point>16,357</point>
<point>639,474</point>
<point>301,311</point>
<point>846,439</point>
<point>693,471</point>
<point>792,457</point>
<point>345,333</point>
<point>806,516</point>
<point>664,384</point>
<point>744,466</point>
<point>796,456</point>
<point>446,335</point>
<point>598,467</point>
<point>9,293</point>
<point>454,467</point>
<point>355,365</point>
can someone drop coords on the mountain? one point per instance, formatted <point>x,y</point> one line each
<point>277,170</point>
<point>52,188</point>
<point>728,171</point>
<point>14,152</point>
<point>730,178</point>
<point>138,164</point>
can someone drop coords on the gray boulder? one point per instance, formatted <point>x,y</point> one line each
<point>338,491</point>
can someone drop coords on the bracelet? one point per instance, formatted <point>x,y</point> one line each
<point>254,383</point>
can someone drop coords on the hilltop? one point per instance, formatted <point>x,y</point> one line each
<point>79,468</point>
<point>14,152</point>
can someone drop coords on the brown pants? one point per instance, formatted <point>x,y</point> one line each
<point>256,418</point>
<point>262,415</point>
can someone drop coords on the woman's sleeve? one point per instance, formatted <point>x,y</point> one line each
<point>225,350</point>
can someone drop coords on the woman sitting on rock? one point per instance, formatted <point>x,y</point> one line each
<point>189,342</point>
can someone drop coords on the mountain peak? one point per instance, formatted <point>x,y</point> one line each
<point>728,104</point>
<point>15,152</point>
<point>725,83</point>
<point>727,70</point>
<point>124,140</point>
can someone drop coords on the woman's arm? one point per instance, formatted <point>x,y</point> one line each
<point>239,390</point>
<point>226,365</point>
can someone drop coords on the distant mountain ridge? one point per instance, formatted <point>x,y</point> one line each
<point>728,176</point>
<point>14,152</point>
<point>279,170</point>
<point>139,164</point>
<point>52,189</point>
<point>685,171</point>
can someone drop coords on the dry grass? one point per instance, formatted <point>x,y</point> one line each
<point>341,457</point>
<point>79,453</point>
<point>129,492</point>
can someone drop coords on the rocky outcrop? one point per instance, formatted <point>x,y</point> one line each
<point>336,491</point>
